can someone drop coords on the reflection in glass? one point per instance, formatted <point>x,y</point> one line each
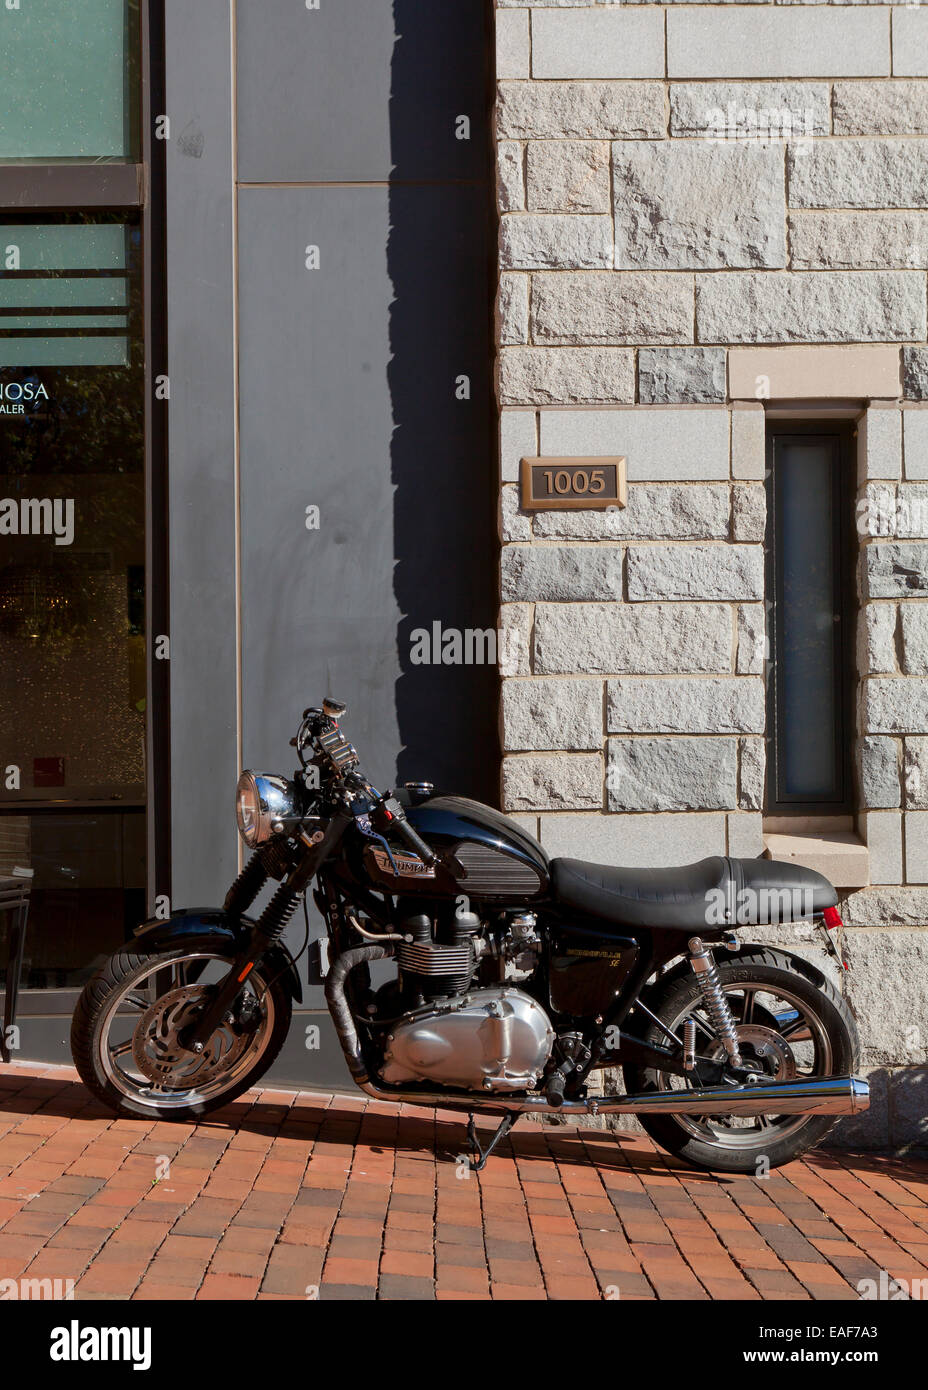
<point>68,80</point>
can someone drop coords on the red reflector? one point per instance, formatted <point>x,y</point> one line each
<point>832,918</point>
<point>245,971</point>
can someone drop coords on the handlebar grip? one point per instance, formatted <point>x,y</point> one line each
<point>413,839</point>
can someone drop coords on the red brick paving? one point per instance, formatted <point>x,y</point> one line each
<point>289,1195</point>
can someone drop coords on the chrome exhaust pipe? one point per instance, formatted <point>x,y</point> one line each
<point>831,1095</point>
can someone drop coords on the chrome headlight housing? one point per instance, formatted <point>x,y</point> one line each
<point>265,805</point>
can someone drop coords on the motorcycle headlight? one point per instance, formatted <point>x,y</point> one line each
<point>265,805</point>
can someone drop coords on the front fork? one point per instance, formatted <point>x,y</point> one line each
<point>268,929</point>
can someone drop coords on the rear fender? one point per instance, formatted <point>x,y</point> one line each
<point>212,926</point>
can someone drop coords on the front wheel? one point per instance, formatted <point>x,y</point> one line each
<point>124,1034</point>
<point>790,1025</point>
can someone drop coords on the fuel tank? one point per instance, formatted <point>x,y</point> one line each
<point>489,856</point>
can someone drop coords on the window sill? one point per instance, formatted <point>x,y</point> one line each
<point>839,854</point>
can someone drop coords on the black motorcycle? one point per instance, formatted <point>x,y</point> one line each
<point>517,980</point>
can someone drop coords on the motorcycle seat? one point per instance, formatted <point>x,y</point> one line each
<point>718,892</point>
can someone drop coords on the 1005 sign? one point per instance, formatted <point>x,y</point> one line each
<point>572,483</point>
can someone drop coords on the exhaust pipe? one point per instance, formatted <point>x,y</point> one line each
<point>830,1095</point>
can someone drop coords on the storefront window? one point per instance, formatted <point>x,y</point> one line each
<point>72,584</point>
<point>68,80</point>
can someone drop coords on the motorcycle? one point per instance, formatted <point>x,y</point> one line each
<point>514,980</point>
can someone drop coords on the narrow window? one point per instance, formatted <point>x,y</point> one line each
<point>810,592</point>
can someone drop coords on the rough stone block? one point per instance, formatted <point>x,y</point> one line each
<point>686,375</point>
<point>659,511</point>
<point>553,782</point>
<point>552,241</point>
<point>889,965</point>
<point>751,650</point>
<point>915,773</point>
<point>653,639</point>
<point>897,569</point>
<point>749,110</point>
<point>880,108</point>
<point>510,176</point>
<point>859,174</point>
<point>568,176</point>
<point>515,639</point>
<point>672,774</point>
<point>896,704</point>
<point>749,512</point>
<point>566,376</point>
<point>561,573</point>
<point>582,110</point>
<point>696,205</point>
<point>552,714</point>
<point>914,625</point>
<point>688,705</point>
<point>512,308</point>
<point>696,572</point>
<point>878,771</point>
<point>610,308</point>
<point>802,306</point>
<point>753,774</point>
<point>858,240</point>
<point>915,371</point>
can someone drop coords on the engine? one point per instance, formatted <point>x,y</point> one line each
<point>467,1023</point>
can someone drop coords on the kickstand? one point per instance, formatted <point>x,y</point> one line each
<point>480,1156</point>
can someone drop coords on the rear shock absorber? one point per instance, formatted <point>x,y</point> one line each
<point>716,1005</point>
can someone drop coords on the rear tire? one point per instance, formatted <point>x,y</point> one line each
<point>113,985</point>
<point>773,973</point>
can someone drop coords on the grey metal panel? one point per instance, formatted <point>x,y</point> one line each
<point>363,90</point>
<point>202,448</point>
<point>348,403</point>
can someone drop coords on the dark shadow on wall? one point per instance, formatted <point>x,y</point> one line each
<point>440,260</point>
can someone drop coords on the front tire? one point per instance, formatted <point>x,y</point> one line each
<point>123,1043</point>
<point>820,1040</point>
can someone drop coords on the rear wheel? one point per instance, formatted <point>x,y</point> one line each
<point>124,1034</point>
<point>790,1026</point>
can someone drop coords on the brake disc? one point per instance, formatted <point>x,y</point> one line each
<point>158,1054</point>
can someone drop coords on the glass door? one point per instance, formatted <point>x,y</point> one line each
<point>72,584</point>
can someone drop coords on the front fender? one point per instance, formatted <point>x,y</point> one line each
<point>213,926</point>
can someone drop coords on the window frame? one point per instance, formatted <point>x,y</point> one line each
<point>843,432</point>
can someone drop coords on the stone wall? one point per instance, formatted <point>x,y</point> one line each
<point>707,212</point>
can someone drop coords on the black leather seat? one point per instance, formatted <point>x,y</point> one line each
<point>717,892</point>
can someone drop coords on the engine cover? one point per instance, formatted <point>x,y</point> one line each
<point>495,1039</point>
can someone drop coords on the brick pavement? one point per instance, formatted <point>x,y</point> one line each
<point>289,1195</point>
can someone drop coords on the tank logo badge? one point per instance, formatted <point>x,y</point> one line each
<point>406,864</point>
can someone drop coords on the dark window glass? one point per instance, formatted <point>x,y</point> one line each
<point>72,583</point>
<point>811,623</point>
